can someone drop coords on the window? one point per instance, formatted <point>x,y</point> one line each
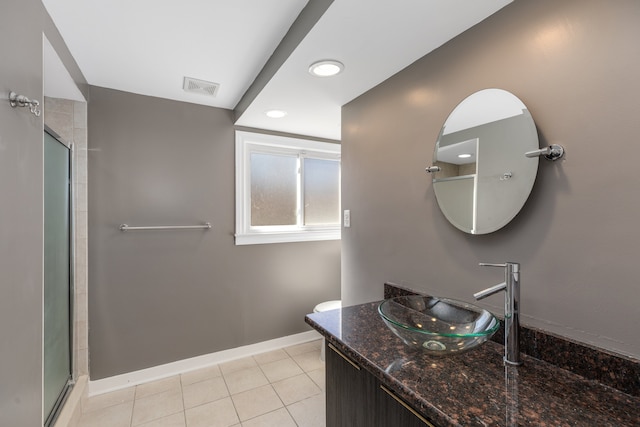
<point>287,189</point>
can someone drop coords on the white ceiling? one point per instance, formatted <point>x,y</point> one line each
<point>149,46</point>
<point>58,83</point>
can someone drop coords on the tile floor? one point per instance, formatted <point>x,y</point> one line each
<point>281,388</point>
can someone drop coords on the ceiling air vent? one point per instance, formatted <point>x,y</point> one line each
<point>200,86</point>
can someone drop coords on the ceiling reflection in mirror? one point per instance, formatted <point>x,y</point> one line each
<point>484,177</point>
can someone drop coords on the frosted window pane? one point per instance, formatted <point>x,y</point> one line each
<point>273,189</point>
<point>321,191</point>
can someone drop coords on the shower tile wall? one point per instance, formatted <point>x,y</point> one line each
<point>69,120</point>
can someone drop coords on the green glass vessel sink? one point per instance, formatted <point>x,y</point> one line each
<point>438,326</point>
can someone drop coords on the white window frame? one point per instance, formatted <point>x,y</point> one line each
<point>250,142</point>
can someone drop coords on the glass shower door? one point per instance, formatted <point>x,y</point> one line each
<point>57,274</point>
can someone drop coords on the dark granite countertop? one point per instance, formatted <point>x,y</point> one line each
<point>474,388</point>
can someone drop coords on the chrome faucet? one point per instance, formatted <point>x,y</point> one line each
<point>511,286</point>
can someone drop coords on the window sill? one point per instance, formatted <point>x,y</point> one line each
<point>286,237</point>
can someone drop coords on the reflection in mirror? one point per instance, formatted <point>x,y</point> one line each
<point>484,177</point>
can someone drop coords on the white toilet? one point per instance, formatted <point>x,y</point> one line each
<point>326,306</point>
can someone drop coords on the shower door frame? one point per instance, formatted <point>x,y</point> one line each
<point>50,418</point>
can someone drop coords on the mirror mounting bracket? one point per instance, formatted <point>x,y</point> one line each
<point>552,152</point>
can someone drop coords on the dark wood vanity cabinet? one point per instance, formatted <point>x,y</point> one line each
<point>350,391</point>
<point>391,411</point>
<point>355,398</point>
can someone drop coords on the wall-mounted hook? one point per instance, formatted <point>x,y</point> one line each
<point>16,100</point>
<point>432,169</point>
<point>552,152</point>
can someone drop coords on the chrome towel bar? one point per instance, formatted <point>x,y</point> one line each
<point>205,226</point>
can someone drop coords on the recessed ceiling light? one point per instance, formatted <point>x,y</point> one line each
<point>464,156</point>
<point>275,114</point>
<point>326,68</point>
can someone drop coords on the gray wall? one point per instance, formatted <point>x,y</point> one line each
<point>575,64</point>
<point>21,136</point>
<point>157,297</point>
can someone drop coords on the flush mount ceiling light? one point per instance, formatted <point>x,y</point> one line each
<point>326,68</point>
<point>275,114</point>
<point>464,156</point>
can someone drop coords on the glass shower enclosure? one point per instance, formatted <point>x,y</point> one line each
<point>58,276</point>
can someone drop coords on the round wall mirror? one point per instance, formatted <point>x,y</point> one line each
<point>481,176</point>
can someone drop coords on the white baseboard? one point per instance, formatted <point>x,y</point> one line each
<point>154,373</point>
